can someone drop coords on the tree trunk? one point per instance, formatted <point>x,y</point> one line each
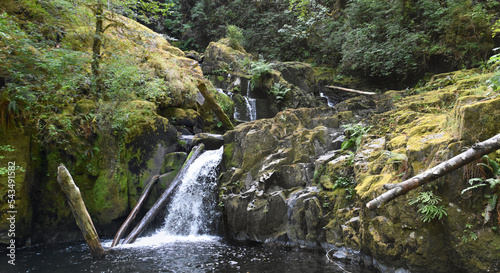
<point>477,151</point>
<point>351,90</point>
<point>80,213</point>
<point>98,10</point>
<point>133,213</point>
<point>215,106</point>
<point>160,203</point>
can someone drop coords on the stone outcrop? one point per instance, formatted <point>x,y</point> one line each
<point>286,85</point>
<point>286,184</point>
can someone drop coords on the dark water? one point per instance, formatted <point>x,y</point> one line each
<point>187,254</point>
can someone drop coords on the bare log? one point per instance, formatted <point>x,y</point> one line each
<point>477,151</point>
<point>83,220</point>
<point>215,106</point>
<point>133,213</point>
<point>160,203</point>
<point>351,90</point>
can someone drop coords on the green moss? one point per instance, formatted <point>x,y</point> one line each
<point>228,155</point>
<point>479,121</point>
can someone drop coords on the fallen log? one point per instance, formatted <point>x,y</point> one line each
<point>133,213</point>
<point>82,217</point>
<point>160,203</point>
<point>214,106</point>
<point>351,90</point>
<point>475,152</point>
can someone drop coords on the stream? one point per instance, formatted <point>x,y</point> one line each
<point>186,242</point>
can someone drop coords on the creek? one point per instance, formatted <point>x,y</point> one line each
<point>187,241</point>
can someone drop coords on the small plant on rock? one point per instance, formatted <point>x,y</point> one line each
<point>279,91</point>
<point>354,134</point>
<point>489,168</point>
<point>347,183</point>
<point>258,70</point>
<point>427,203</point>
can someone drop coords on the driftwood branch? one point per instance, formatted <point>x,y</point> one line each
<point>133,213</point>
<point>82,217</point>
<point>477,151</point>
<point>214,106</point>
<point>351,90</point>
<point>161,202</point>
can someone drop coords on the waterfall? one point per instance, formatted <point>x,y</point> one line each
<point>191,211</point>
<point>251,104</point>
<point>247,112</point>
<point>329,100</point>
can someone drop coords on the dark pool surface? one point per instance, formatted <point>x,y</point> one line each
<point>155,254</point>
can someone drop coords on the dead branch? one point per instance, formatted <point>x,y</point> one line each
<point>477,151</point>
<point>351,90</point>
<point>133,213</point>
<point>82,217</point>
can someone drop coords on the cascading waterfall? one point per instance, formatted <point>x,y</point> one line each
<point>251,104</point>
<point>192,209</point>
<point>329,100</point>
<point>249,111</point>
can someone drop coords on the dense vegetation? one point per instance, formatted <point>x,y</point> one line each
<point>51,56</point>
<point>383,41</point>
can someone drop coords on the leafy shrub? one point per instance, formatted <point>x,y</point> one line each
<point>279,91</point>
<point>235,36</point>
<point>259,69</point>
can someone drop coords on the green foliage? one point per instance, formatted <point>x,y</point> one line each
<point>354,134</point>
<point>490,168</point>
<point>427,206</point>
<point>468,234</point>
<point>347,183</point>
<point>235,36</point>
<point>494,62</point>
<point>396,41</point>
<point>279,91</point>
<point>259,69</point>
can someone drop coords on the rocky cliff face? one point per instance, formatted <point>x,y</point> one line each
<point>287,182</point>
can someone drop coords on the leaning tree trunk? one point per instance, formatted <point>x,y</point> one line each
<point>133,213</point>
<point>81,214</point>
<point>477,151</point>
<point>214,106</point>
<point>160,203</point>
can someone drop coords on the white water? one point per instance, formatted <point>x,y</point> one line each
<point>191,212</point>
<point>250,111</point>
<point>251,108</point>
<point>330,102</point>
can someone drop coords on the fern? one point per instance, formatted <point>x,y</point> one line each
<point>258,70</point>
<point>427,206</point>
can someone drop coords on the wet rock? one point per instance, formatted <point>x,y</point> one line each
<point>211,141</point>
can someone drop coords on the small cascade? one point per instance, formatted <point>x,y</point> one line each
<point>192,209</point>
<point>248,111</point>
<point>329,99</point>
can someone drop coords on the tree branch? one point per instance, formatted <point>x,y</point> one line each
<point>477,151</point>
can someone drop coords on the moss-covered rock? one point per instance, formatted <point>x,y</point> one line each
<point>17,172</point>
<point>410,134</point>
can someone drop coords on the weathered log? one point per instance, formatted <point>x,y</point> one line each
<point>215,106</point>
<point>133,213</point>
<point>477,151</point>
<point>160,203</point>
<point>350,90</point>
<point>83,220</point>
